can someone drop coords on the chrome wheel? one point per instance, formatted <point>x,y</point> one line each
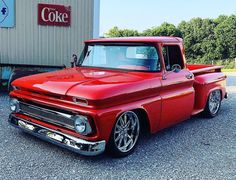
<point>126,131</point>
<point>214,101</point>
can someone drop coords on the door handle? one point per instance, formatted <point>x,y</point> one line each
<point>189,76</point>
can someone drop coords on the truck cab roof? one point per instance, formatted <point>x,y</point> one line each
<point>157,39</point>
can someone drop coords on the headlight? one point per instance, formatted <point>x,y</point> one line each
<point>14,105</point>
<point>82,125</point>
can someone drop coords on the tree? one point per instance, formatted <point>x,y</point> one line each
<point>116,32</point>
<point>220,19</point>
<point>225,34</point>
<point>165,29</point>
<point>200,42</point>
<point>205,39</point>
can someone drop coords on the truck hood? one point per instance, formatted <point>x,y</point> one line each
<point>82,82</point>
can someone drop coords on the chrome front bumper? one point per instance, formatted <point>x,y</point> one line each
<point>74,144</point>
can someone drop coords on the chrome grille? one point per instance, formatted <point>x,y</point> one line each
<point>47,115</point>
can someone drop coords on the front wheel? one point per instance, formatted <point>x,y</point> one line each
<point>213,104</point>
<point>125,134</point>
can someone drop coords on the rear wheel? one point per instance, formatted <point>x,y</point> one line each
<point>213,104</point>
<point>125,134</point>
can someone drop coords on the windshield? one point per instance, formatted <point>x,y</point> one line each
<point>128,57</point>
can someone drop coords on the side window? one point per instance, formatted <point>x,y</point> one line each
<point>172,55</point>
<point>146,56</point>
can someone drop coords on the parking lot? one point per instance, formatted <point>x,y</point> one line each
<point>195,149</point>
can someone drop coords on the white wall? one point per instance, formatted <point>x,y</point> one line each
<point>30,43</point>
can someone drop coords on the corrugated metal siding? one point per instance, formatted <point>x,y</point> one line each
<point>30,43</point>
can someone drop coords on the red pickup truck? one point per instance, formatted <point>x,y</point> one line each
<point>118,87</point>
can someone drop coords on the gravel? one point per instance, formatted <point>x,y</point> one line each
<point>195,149</point>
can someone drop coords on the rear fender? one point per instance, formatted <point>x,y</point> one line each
<point>205,84</point>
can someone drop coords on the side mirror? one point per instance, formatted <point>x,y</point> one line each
<point>74,60</point>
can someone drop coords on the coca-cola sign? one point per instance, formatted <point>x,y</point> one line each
<point>54,15</point>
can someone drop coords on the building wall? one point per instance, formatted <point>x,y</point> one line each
<point>31,44</point>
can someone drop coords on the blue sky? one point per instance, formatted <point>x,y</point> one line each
<point>143,14</point>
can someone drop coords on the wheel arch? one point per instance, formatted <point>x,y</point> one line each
<point>143,117</point>
<point>144,120</point>
<point>214,89</point>
<point>203,91</point>
<point>207,111</point>
<point>111,146</point>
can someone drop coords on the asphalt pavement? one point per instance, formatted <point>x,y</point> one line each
<point>198,148</point>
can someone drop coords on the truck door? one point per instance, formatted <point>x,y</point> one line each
<point>177,87</point>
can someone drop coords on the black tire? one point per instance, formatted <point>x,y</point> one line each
<point>133,122</point>
<point>214,97</point>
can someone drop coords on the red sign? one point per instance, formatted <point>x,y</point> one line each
<point>54,15</point>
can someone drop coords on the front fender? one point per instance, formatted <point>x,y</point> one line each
<point>105,119</point>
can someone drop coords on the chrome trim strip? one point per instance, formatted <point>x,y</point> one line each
<point>69,142</point>
<point>48,120</point>
<point>56,121</point>
<point>47,110</point>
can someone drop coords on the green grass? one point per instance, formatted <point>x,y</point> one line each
<point>228,70</point>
